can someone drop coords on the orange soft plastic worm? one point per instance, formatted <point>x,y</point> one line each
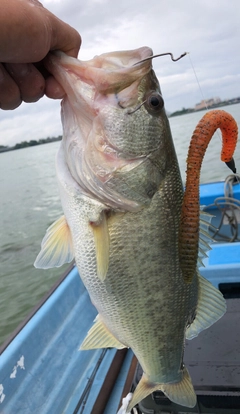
<point>189,225</point>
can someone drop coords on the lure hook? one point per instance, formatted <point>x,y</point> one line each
<point>161,54</point>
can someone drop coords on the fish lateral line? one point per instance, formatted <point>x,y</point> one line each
<point>189,221</point>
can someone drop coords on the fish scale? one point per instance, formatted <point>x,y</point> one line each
<point>141,253</point>
<point>122,196</point>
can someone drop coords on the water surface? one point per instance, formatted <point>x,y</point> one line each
<point>30,203</point>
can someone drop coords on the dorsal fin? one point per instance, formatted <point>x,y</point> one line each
<point>204,236</point>
<point>211,306</point>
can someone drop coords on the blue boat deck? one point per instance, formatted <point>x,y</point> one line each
<point>222,266</point>
<point>210,191</point>
<point>48,373</point>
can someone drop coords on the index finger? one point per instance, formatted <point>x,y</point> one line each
<point>64,38</point>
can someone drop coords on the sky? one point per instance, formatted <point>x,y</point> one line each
<point>208,30</point>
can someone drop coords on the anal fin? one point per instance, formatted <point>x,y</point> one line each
<point>181,392</point>
<point>100,337</point>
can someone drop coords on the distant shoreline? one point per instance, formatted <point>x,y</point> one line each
<point>217,105</point>
<point>32,143</point>
<point>184,111</point>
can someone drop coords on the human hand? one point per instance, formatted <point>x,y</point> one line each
<point>28,32</point>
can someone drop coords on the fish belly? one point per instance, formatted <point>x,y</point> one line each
<point>143,300</point>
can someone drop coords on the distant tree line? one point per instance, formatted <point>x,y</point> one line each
<point>32,143</point>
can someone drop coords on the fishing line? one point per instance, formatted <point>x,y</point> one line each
<point>201,91</point>
<point>195,74</point>
<point>83,399</point>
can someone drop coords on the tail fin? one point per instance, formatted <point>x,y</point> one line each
<point>181,393</point>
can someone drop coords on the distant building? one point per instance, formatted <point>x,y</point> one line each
<point>207,103</point>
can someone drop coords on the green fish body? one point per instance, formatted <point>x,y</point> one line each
<point>122,193</point>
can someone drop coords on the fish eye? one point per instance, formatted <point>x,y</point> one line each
<point>154,102</point>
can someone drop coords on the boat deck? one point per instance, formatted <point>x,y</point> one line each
<point>42,370</point>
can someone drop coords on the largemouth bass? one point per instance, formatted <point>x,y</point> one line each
<point>122,196</point>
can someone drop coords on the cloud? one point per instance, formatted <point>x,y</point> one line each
<point>209,30</point>
<point>39,120</point>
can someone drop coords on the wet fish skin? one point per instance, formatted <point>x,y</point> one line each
<point>122,194</point>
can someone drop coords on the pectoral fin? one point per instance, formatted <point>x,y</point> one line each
<point>181,392</point>
<point>211,307</point>
<point>56,247</point>
<point>100,337</point>
<point>101,238</point>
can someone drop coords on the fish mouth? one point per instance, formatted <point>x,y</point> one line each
<point>107,73</point>
<point>90,84</point>
<point>106,82</point>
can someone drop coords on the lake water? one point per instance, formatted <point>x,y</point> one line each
<point>30,203</point>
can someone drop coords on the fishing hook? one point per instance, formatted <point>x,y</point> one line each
<point>161,54</point>
<point>131,111</point>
